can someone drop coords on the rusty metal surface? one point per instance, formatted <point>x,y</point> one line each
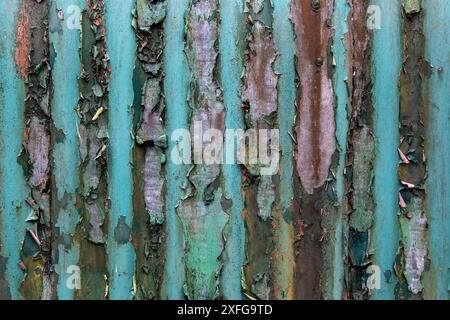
<point>113,185</point>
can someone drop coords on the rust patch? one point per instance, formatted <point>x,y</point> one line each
<point>149,153</point>
<point>260,98</point>
<point>315,127</point>
<point>316,151</point>
<point>412,171</point>
<point>22,38</point>
<point>32,58</point>
<point>361,153</point>
<point>260,81</point>
<point>92,202</point>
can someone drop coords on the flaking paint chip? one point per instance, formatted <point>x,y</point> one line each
<point>97,114</point>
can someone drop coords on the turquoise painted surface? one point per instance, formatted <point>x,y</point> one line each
<point>387,60</point>
<point>285,46</point>
<point>230,42</point>
<point>65,59</point>
<point>121,45</point>
<point>65,62</point>
<point>437,26</point>
<point>341,12</point>
<point>176,89</point>
<point>283,34</point>
<point>13,191</point>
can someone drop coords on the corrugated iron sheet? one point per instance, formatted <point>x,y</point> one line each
<point>93,94</point>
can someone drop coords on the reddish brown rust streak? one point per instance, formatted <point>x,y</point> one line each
<point>315,127</point>
<point>23,42</point>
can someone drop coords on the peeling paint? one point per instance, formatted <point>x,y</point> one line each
<point>260,101</point>
<point>283,270</point>
<point>202,209</point>
<point>92,133</point>
<point>315,152</point>
<point>360,154</point>
<point>149,152</point>
<point>65,65</point>
<point>14,190</point>
<point>39,279</point>
<point>412,175</point>
<point>231,43</point>
<point>93,207</point>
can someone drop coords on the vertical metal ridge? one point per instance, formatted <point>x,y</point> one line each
<point>121,44</point>
<point>341,78</point>
<point>66,67</point>
<point>231,42</point>
<point>437,51</point>
<point>386,59</point>
<point>283,33</point>
<point>13,190</point>
<point>176,86</point>
<point>93,199</point>
<point>99,100</point>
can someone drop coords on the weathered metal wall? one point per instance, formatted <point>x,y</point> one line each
<point>92,205</point>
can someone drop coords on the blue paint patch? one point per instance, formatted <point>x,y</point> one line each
<point>121,44</point>
<point>387,62</point>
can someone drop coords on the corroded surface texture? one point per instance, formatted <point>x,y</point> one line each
<point>94,205</point>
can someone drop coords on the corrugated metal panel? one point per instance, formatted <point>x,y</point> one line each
<point>94,95</point>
